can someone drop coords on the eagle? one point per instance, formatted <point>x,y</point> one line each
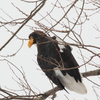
<point>57,62</point>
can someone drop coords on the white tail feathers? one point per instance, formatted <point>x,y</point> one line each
<point>70,83</point>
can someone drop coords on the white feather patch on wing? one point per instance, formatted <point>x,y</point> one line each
<point>60,44</point>
<point>70,83</point>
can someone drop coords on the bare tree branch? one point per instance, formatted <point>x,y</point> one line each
<point>72,26</point>
<point>91,73</point>
<point>33,12</point>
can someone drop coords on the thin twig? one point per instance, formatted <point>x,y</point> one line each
<point>33,12</point>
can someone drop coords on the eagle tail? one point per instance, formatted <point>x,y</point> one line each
<point>70,83</point>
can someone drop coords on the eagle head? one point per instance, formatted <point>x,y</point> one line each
<point>35,36</point>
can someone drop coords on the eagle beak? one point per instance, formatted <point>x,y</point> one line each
<point>30,42</point>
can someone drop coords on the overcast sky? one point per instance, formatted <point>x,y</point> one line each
<point>26,57</point>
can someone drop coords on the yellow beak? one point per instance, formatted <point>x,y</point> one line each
<point>30,42</point>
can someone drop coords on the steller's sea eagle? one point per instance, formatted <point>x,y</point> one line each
<point>57,62</point>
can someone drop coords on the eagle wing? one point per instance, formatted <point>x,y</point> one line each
<point>51,57</point>
<point>70,64</point>
<point>70,77</point>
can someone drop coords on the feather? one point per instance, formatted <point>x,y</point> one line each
<point>52,55</point>
<point>70,83</point>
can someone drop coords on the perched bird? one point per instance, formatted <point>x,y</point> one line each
<point>57,62</point>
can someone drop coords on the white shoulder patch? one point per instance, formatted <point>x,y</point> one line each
<point>60,44</point>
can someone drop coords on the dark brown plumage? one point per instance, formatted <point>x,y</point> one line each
<point>51,58</point>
